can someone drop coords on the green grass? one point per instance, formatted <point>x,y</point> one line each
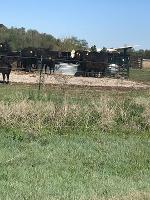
<point>74,144</point>
<point>74,167</point>
<point>140,75</point>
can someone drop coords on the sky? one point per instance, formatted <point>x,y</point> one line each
<point>109,23</point>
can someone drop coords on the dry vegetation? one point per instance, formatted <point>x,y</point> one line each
<point>146,64</point>
<point>106,113</point>
<point>74,143</point>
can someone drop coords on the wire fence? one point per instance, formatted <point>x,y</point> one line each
<point>38,63</point>
<point>41,66</point>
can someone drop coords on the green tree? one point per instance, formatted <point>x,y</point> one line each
<point>93,48</point>
<point>20,38</point>
<point>104,49</point>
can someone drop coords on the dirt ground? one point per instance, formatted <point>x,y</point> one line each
<point>58,79</point>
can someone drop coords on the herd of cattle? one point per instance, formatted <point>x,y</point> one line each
<point>89,63</point>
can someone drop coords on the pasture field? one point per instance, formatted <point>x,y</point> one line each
<point>142,75</point>
<point>76,143</point>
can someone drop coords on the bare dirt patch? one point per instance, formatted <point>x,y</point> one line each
<point>58,79</point>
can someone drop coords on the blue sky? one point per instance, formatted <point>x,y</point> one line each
<point>109,23</point>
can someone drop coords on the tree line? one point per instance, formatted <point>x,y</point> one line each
<point>145,54</point>
<point>19,38</point>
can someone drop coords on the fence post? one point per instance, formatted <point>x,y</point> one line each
<point>40,78</point>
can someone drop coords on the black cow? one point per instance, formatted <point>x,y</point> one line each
<point>28,59</point>
<point>47,58</point>
<point>4,48</point>
<point>80,55</point>
<point>5,69</point>
<point>48,64</point>
<point>92,63</point>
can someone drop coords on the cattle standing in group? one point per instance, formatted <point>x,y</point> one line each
<point>95,64</point>
<point>41,59</point>
<point>91,63</point>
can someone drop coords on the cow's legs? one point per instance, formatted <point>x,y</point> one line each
<point>46,69</point>
<point>30,67</point>
<point>50,69</point>
<point>53,69</point>
<point>7,78</point>
<point>3,78</point>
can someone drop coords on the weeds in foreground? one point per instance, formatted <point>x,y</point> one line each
<point>74,145</point>
<point>106,113</point>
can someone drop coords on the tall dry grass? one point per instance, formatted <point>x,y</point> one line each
<point>105,113</point>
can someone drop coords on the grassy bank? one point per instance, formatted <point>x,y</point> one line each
<point>74,143</point>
